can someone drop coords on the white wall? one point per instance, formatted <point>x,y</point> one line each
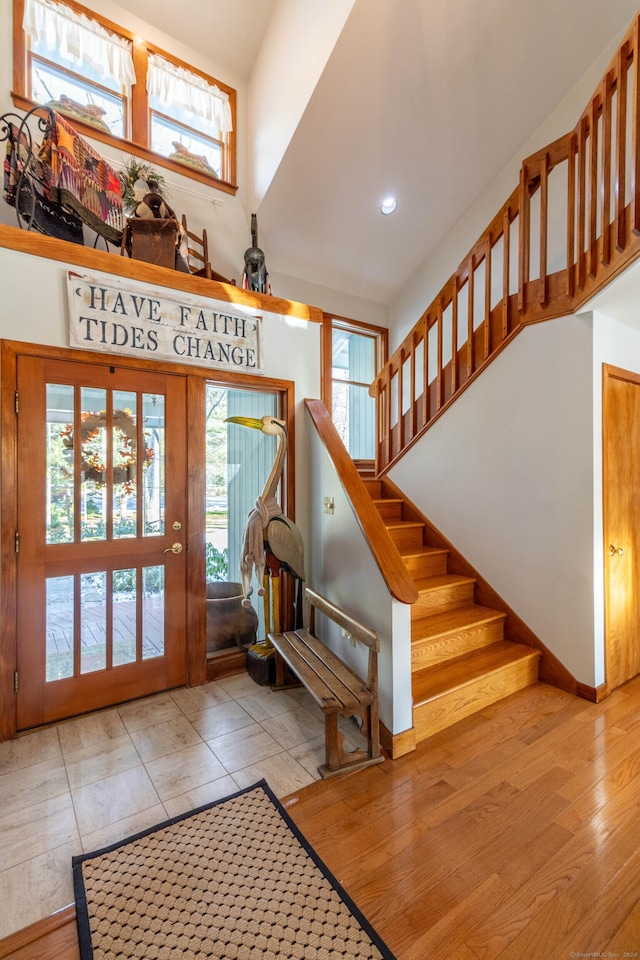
<point>507,475</point>
<point>438,265</point>
<point>342,568</point>
<point>292,57</point>
<point>512,473</point>
<point>226,218</point>
<point>335,302</point>
<point>35,311</point>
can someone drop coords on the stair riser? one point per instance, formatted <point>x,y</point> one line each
<point>443,598</point>
<point>427,653</point>
<point>390,510</point>
<point>374,488</point>
<point>407,539</point>
<point>447,709</point>
<point>426,565</point>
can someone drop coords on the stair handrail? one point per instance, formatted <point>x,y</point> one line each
<point>386,554</point>
<point>433,365</point>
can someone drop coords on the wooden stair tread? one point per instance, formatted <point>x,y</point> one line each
<point>441,581</point>
<point>403,524</point>
<point>469,615</point>
<point>409,553</point>
<point>435,681</point>
<point>460,660</point>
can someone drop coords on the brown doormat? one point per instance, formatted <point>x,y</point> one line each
<point>234,879</point>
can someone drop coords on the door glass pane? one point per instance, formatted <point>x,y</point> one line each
<point>238,463</point>
<point>59,628</point>
<point>125,473</point>
<point>59,483</point>
<point>152,612</point>
<point>153,466</point>
<point>93,622</point>
<point>123,607</point>
<point>93,520</point>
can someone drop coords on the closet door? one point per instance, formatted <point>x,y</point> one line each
<point>621,457</point>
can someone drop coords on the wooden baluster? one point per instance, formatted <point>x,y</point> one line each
<point>544,219</point>
<point>401,402</point>
<point>424,329</point>
<point>593,191</point>
<point>454,337</point>
<point>387,408</point>
<point>470,350</point>
<point>571,216</point>
<point>582,200</point>
<point>487,297</point>
<point>506,253</point>
<point>413,407</point>
<point>524,228</point>
<point>621,148</point>
<point>439,370</point>
<point>394,428</point>
<point>635,131</point>
<point>380,461</point>
<point>383,393</point>
<point>605,188</point>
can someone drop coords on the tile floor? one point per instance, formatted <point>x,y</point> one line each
<point>79,785</point>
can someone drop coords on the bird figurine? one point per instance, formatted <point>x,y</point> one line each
<point>271,540</point>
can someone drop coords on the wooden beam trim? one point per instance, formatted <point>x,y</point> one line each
<point>71,254</point>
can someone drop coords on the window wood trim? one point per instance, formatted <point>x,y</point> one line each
<point>381,333</point>
<point>138,112</point>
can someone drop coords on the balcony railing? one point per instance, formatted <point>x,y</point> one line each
<point>570,226</point>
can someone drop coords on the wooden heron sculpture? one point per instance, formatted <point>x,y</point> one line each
<point>271,541</point>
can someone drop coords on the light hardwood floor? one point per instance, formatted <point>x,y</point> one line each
<point>514,834</point>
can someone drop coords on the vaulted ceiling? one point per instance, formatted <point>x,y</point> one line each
<point>423,99</point>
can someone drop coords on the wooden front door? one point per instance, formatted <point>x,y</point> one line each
<point>621,457</point>
<point>101,535</point>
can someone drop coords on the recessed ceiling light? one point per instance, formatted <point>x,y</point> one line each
<point>388,206</point>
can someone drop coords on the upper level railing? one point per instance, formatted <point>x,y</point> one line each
<point>570,226</point>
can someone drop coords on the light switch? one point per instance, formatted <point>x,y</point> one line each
<point>329,505</point>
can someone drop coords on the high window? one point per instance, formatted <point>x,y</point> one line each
<point>357,351</point>
<point>116,87</point>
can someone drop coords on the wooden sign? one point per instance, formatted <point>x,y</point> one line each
<point>120,316</point>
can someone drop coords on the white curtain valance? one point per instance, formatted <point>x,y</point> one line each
<point>79,39</point>
<point>172,84</point>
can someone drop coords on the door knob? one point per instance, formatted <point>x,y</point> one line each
<point>615,550</point>
<point>174,548</point>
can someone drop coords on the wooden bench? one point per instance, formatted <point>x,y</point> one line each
<point>338,691</point>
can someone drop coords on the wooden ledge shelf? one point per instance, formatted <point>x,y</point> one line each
<point>71,254</point>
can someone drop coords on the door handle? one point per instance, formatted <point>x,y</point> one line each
<point>174,548</point>
<point>615,550</point>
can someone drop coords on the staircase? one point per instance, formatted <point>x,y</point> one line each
<point>460,659</point>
